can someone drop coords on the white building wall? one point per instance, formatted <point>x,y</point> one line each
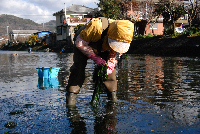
<point>21,35</point>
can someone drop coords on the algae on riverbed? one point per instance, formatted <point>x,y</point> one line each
<point>99,76</point>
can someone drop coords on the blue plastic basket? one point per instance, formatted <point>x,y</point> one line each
<point>47,72</point>
<point>46,83</point>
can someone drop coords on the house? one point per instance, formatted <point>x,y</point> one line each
<point>68,18</point>
<point>180,22</point>
<point>22,33</point>
<point>43,36</point>
<point>3,40</point>
<point>156,28</point>
<point>141,10</point>
<point>16,36</point>
<point>51,39</point>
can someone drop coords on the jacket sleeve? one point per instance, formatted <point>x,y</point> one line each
<point>91,33</point>
<point>83,46</point>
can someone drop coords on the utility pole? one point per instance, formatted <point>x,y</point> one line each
<point>7,34</point>
<point>65,16</point>
<point>146,10</point>
<point>7,31</point>
<point>131,9</point>
<point>65,11</point>
<point>43,24</point>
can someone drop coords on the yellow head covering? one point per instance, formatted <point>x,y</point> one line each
<point>93,31</point>
<point>120,34</point>
<point>121,30</point>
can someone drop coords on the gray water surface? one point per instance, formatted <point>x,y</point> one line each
<point>155,95</point>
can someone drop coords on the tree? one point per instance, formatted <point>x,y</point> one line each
<point>147,7</point>
<point>192,10</point>
<point>124,7</point>
<point>113,9</point>
<point>109,8</point>
<point>170,10</point>
<point>33,39</point>
<point>76,28</point>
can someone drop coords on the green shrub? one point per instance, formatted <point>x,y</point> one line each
<point>3,45</point>
<point>192,31</point>
<point>138,37</point>
<point>76,28</point>
<point>168,31</point>
<point>149,35</point>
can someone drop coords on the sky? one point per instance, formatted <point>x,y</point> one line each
<point>39,10</point>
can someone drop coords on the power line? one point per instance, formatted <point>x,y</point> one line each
<point>33,15</point>
<point>29,14</point>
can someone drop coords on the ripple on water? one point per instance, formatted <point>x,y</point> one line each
<point>155,95</point>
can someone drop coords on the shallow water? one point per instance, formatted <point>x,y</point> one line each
<point>155,95</point>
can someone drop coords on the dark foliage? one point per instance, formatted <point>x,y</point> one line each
<point>99,76</point>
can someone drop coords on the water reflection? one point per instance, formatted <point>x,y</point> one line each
<point>47,83</point>
<point>104,122</point>
<point>77,122</point>
<point>155,95</point>
<point>171,84</point>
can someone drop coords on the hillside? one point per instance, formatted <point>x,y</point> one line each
<point>17,23</point>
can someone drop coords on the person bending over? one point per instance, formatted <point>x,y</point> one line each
<point>99,40</point>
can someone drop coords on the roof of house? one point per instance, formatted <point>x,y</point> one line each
<point>79,8</point>
<point>75,9</point>
<point>24,31</point>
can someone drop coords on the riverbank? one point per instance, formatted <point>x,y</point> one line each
<point>180,46</point>
<point>158,45</point>
<point>37,47</point>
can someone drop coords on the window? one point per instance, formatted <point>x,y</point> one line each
<point>61,19</point>
<point>59,30</point>
<point>64,30</point>
<point>154,25</point>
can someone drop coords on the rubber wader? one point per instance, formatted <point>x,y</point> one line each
<point>77,70</point>
<point>77,78</point>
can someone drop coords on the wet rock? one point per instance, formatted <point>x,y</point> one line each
<point>16,112</point>
<point>28,105</point>
<point>10,125</point>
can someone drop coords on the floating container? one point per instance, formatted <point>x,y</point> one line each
<point>47,72</point>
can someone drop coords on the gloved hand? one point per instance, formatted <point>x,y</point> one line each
<point>111,67</point>
<point>97,59</point>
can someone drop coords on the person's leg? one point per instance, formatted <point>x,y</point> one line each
<point>77,76</point>
<point>111,85</point>
<point>111,82</point>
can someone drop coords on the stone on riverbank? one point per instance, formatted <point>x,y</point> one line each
<point>10,125</point>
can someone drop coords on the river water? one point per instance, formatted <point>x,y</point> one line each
<point>155,95</point>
